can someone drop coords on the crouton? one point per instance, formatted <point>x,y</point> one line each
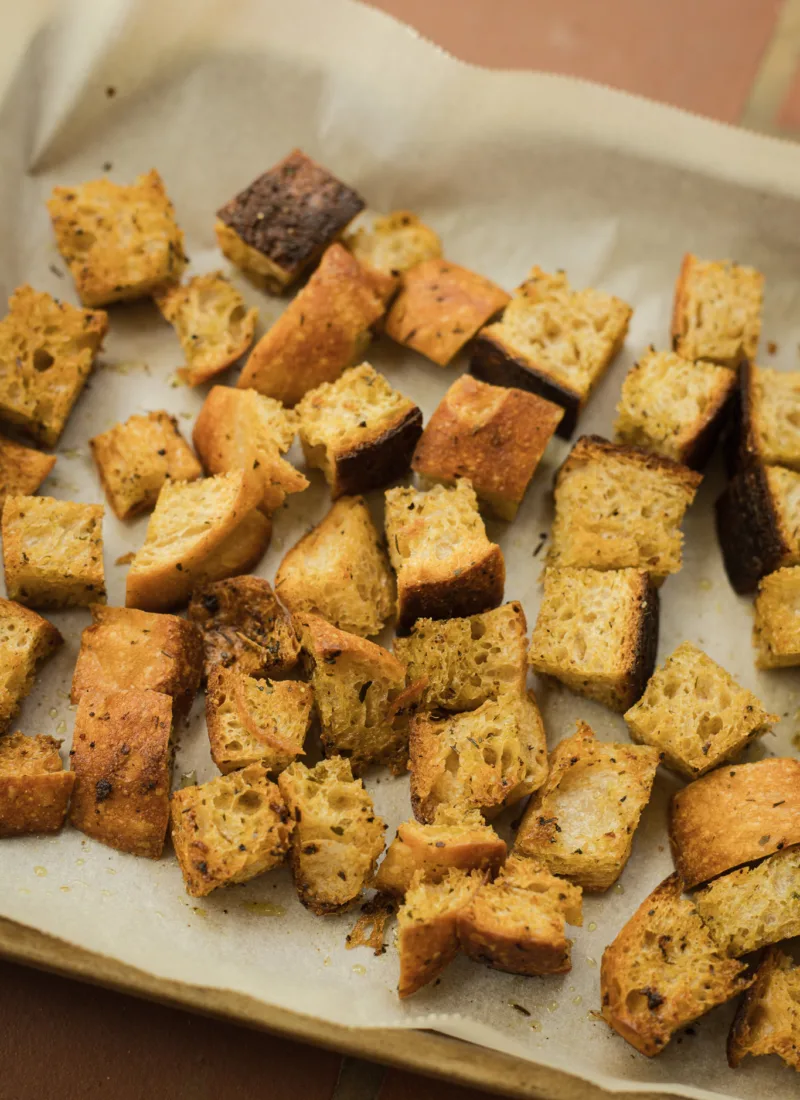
<point>516,923</point>
<point>281,224</point>
<point>553,341</point>
<point>776,628</point>
<point>581,822</point>
<point>53,552</point>
<point>46,353</point>
<point>770,415</point>
<point>122,760</point>
<point>695,714</point>
<point>229,830</point>
<point>212,322</point>
<point>491,435</point>
<point>359,431</point>
<point>324,329</point>
<point>427,926</point>
<point>441,306</point>
<point>446,566</point>
<point>734,815</point>
<point>136,458</point>
<point>394,243</point>
<point>241,430</point>
<point>597,632</point>
<point>340,572</point>
<point>758,524</point>
<point>244,627</point>
<point>768,1018</point>
<point>663,971</point>
<point>674,407</point>
<point>34,788</point>
<point>337,835</point>
<point>253,721</point>
<point>26,639</point>
<point>119,242</point>
<point>22,470</point>
<point>717,311</point>
<point>125,649</point>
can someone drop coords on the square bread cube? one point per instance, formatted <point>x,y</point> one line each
<point>618,507</point>
<point>53,552</point>
<point>26,639</point>
<point>695,714</point>
<point>394,243</point>
<point>22,470</point>
<point>580,824</point>
<point>674,407</point>
<point>717,311</point>
<point>229,830</point>
<point>134,460</point>
<point>758,524</point>
<point>47,349</point>
<point>122,760</point>
<point>770,414</point>
<point>34,788</point>
<point>359,431</point>
<point>119,241</point>
<point>553,341</point>
<point>776,628</point>
<point>340,571</point>
<point>768,1018</point>
<point>281,224</point>
<point>446,566</point>
<point>597,632</point>
<point>440,306</point>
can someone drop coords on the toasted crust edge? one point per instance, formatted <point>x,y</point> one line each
<point>748,529</point>
<point>478,588</point>
<point>381,460</point>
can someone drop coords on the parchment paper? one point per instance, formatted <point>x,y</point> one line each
<point>511,169</point>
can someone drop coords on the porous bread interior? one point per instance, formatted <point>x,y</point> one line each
<point>776,628</point>
<point>394,243</point>
<point>427,530</point>
<point>338,415</point>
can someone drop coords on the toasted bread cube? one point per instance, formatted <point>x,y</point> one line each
<point>491,435</point>
<point>241,430</point>
<point>768,1018</point>
<point>22,470</point>
<point>516,923</point>
<point>122,759</point>
<point>553,341</point>
<point>229,830</point>
<point>136,458</point>
<point>776,629</point>
<point>394,243</point>
<point>664,970</point>
<point>119,242</point>
<point>758,524</point>
<point>46,353</point>
<point>734,815</point>
<point>695,714</point>
<point>340,572</point>
<point>717,311</point>
<point>26,639</point>
<point>53,552</point>
<point>674,407</point>
<point>770,416</point>
<point>597,632</point>
<point>359,431</point>
<point>34,788</point>
<point>337,835</point>
<point>324,329</point>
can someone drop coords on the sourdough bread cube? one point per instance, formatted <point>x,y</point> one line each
<point>770,414</point>
<point>280,225</point>
<point>758,524</point>
<point>717,311</point>
<point>664,970</point>
<point>34,788</point>
<point>136,458</point>
<point>119,241</point>
<point>553,341</point>
<point>776,628</point>
<point>359,431</point>
<point>581,822</point>
<point>53,552</point>
<point>22,470</point>
<point>229,830</point>
<point>768,1018</point>
<point>394,243</point>
<point>337,835</point>
<point>26,639</point>
<point>340,571</point>
<point>597,632</point>
<point>491,435</point>
<point>695,714</point>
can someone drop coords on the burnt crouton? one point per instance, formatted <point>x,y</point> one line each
<point>776,628</point>
<point>22,470</point>
<point>717,311</point>
<point>34,788</point>
<point>394,243</point>
<point>768,1019</point>
<point>26,639</point>
<point>758,524</point>
<point>770,416</point>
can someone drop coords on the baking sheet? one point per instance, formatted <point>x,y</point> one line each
<point>511,169</point>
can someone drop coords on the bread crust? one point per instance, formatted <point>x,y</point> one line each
<point>26,639</point>
<point>695,285</point>
<point>767,1020</point>
<point>34,788</point>
<point>454,840</point>
<point>749,530</point>
<point>381,460</point>
<point>22,470</point>
<point>479,587</point>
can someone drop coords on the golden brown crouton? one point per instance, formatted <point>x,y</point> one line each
<point>229,830</point>
<point>717,311</point>
<point>340,572</point>
<point>770,415</point>
<point>768,1019</point>
<point>34,788</point>
<point>46,354</point>
<point>758,523</point>
<point>26,639</point>
<point>53,552</point>
<point>22,470</point>
<point>119,242</point>
<point>491,435</point>
<point>695,714</point>
<point>734,815</point>
<point>337,835</point>
<point>394,243</point>
<point>122,760</point>
<point>663,971</point>
<point>776,628</point>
